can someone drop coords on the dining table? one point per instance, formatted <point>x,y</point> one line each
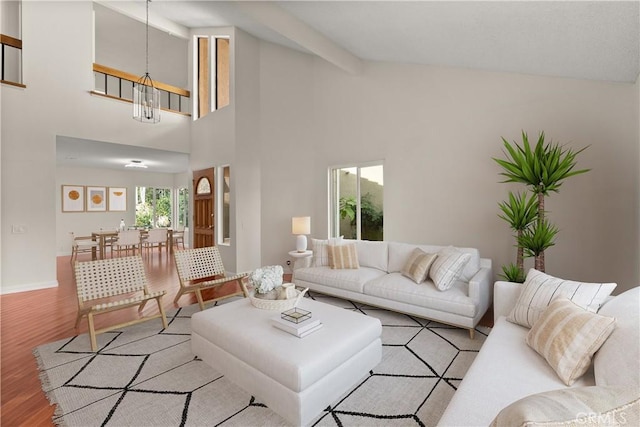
<point>102,236</point>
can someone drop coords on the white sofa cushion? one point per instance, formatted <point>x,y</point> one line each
<point>578,406</point>
<point>491,375</point>
<point>567,336</point>
<point>417,266</point>
<point>396,287</point>
<point>372,254</point>
<point>540,289</point>
<point>447,267</point>
<point>348,279</point>
<point>611,364</point>
<point>400,252</point>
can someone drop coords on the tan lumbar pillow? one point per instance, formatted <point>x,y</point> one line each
<point>417,266</point>
<point>343,256</point>
<point>567,336</point>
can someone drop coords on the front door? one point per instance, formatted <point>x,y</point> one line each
<point>203,204</point>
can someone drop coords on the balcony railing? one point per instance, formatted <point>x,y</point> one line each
<point>116,84</point>
<point>10,69</point>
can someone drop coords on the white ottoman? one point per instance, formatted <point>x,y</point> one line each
<point>296,377</point>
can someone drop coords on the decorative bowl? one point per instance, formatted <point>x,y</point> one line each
<point>276,304</point>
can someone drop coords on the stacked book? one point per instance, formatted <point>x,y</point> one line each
<point>301,329</point>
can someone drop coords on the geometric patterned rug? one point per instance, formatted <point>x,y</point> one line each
<point>144,375</point>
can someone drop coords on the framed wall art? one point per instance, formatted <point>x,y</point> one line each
<point>117,199</point>
<point>96,199</point>
<point>73,198</point>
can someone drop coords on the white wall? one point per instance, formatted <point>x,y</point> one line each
<point>57,71</point>
<point>249,157</point>
<point>437,130</point>
<point>10,14</point>
<point>120,43</point>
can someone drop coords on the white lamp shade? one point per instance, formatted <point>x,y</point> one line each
<point>301,225</point>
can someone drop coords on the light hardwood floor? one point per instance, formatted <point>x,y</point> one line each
<point>29,319</point>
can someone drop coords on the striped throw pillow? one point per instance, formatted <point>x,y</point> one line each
<point>343,256</point>
<point>417,266</point>
<point>447,267</point>
<point>320,253</point>
<point>592,406</point>
<point>567,336</point>
<point>540,289</point>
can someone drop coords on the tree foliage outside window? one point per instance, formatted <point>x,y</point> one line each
<point>153,207</point>
<point>357,202</point>
<point>371,217</point>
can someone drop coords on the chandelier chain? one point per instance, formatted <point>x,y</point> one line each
<point>147,41</point>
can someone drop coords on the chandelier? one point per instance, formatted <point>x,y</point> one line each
<point>146,98</point>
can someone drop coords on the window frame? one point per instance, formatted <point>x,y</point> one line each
<point>334,199</point>
<point>221,239</point>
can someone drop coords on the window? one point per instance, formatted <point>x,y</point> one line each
<point>224,204</point>
<point>212,73</point>
<point>182,208</point>
<point>153,207</point>
<point>357,201</point>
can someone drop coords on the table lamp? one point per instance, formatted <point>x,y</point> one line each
<point>301,226</point>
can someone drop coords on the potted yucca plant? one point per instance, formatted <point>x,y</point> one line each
<point>520,212</point>
<point>542,168</point>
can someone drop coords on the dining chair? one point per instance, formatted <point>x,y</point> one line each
<point>156,237</point>
<point>178,237</point>
<point>82,244</point>
<point>126,241</point>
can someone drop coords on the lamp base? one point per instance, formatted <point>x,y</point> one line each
<point>301,243</point>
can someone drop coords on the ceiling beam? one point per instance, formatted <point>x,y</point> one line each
<point>280,21</point>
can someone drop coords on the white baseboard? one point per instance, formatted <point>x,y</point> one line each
<point>28,287</point>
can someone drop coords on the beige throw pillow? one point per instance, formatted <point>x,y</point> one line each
<point>447,267</point>
<point>580,406</point>
<point>343,256</point>
<point>540,289</point>
<point>567,336</point>
<point>320,251</point>
<point>417,266</point>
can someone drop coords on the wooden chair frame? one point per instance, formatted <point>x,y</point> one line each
<point>123,281</point>
<point>127,241</point>
<point>81,245</point>
<point>202,268</point>
<point>151,240</point>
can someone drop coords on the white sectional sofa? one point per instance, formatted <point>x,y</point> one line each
<point>379,282</point>
<point>507,373</point>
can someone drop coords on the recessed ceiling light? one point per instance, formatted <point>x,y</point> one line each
<point>136,164</point>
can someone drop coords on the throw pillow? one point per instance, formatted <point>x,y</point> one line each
<point>539,289</point>
<point>567,336</point>
<point>579,406</point>
<point>319,247</point>
<point>343,256</point>
<point>417,266</point>
<point>447,267</point>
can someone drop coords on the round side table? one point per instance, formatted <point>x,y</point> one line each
<point>299,258</point>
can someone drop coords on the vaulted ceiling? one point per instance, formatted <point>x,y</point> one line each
<point>578,39</point>
<point>598,40</point>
